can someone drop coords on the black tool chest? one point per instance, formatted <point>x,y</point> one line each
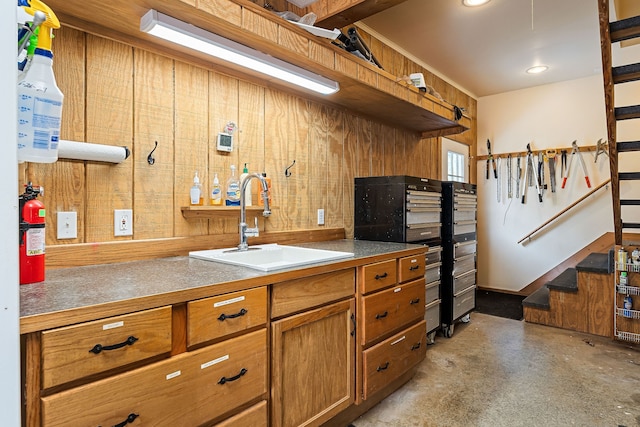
<point>459,246</point>
<point>405,209</point>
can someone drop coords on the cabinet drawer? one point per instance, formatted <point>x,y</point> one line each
<point>410,268</point>
<point>464,265</point>
<point>378,276</point>
<point>464,248</point>
<point>419,232</point>
<point>187,389</point>
<point>432,315</point>
<point>85,349</point>
<point>434,255</point>
<point>432,292</point>
<point>464,302</point>
<point>255,416</point>
<point>463,281</point>
<point>308,292</point>
<point>215,317</point>
<point>432,273</point>
<point>388,310</point>
<point>386,361</point>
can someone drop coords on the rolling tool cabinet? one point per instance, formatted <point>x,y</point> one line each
<point>459,246</point>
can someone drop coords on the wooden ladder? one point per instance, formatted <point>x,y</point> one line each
<point>613,32</point>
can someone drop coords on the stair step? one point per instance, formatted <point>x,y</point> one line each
<point>629,112</point>
<point>538,299</point>
<point>626,73</point>
<point>595,263</point>
<point>630,202</point>
<point>628,146</point>
<point>631,225</point>
<point>625,29</point>
<point>567,281</point>
<point>628,176</point>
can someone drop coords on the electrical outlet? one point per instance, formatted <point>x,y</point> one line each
<point>320,216</point>
<point>67,225</point>
<point>123,222</point>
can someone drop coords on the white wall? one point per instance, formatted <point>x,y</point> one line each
<point>9,316</point>
<point>549,116</point>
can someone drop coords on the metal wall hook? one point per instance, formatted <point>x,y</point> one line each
<point>287,173</point>
<point>150,159</point>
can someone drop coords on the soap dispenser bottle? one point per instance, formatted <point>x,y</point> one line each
<point>247,190</point>
<point>196,192</point>
<point>232,197</point>
<point>216,191</point>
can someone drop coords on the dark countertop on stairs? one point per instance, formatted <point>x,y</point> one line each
<point>567,281</point>
<point>538,299</point>
<point>596,263</point>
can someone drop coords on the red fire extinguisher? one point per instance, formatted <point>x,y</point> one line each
<point>32,235</point>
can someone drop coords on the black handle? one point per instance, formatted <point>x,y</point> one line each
<point>414,301</point>
<point>414,267</point>
<point>97,349</point>
<point>383,367</point>
<point>381,276</point>
<point>416,346</point>
<point>353,320</point>
<point>224,380</point>
<point>223,316</point>
<point>130,419</point>
<point>382,316</point>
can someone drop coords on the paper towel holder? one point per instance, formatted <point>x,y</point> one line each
<point>75,150</point>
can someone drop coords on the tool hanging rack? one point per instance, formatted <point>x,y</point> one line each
<point>583,148</point>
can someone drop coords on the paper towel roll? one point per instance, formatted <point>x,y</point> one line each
<point>93,152</point>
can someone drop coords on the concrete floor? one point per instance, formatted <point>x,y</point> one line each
<point>503,372</point>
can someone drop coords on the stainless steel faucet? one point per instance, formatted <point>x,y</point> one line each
<point>244,230</point>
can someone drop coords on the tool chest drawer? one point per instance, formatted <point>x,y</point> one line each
<point>388,310</point>
<point>464,248</point>
<point>81,350</point>
<point>432,315</point>
<point>423,215</point>
<point>464,227</point>
<point>186,390</point>
<point>216,317</point>
<point>464,302</point>
<point>432,273</point>
<point>463,265</point>
<point>463,281</point>
<point>432,292</point>
<point>434,255</point>
<point>420,232</point>
<point>410,268</point>
<point>464,214</point>
<point>389,359</point>
<point>378,276</point>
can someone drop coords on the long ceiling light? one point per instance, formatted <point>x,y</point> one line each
<point>192,37</point>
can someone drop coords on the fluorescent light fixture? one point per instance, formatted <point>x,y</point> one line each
<point>474,3</point>
<point>537,69</point>
<point>192,37</point>
<point>302,3</point>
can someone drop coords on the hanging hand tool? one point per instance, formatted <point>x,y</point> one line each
<point>498,183</point>
<point>518,175</point>
<point>491,159</point>
<point>563,165</point>
<point>601,148</point>
<point>576,150</point>
<point>529,168</point>
<point>541,183</point>
<point>551,158</point>
<point>509,183</point>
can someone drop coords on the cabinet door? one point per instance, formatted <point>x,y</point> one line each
<point>313,365</point>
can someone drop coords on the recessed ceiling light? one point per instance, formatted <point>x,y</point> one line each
<point>474,3</point>
<point>537,69</point>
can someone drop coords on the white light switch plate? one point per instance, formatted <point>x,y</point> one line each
<point>67,225</point>
<point>123,222</point>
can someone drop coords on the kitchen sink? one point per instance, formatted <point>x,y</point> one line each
<point>270,257</point>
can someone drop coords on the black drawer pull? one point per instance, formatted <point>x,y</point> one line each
<point>416,346</point>
<point>130,419</point>
<point>383,367</point>
<point>382,316</point>
<point>414,267</point>
<point>414,301</point>
<point>381,276</point>
<point>97,349</point>
<point>224,380</point>
<point>223,316</point>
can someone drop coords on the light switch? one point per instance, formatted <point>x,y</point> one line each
<point>320,216</point>
<point>67,225</point>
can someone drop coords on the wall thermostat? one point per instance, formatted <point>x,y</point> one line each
<point>225,142</point>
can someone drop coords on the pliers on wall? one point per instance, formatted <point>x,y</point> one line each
<point>491,159</point>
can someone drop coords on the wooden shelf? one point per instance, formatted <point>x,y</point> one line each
<point>208,212</point>
<point>364,88</point>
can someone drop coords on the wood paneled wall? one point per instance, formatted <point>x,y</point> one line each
<point>119,95</point>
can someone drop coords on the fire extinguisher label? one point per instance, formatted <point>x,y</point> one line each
<point>35,241</point>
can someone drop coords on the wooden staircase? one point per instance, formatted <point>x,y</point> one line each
<point>614,32</point>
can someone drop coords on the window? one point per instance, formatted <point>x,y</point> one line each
<point>455,166</point>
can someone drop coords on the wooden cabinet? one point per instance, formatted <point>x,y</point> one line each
<point>189,389</point>
<point>90,348</point>
<point>313,365</point>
